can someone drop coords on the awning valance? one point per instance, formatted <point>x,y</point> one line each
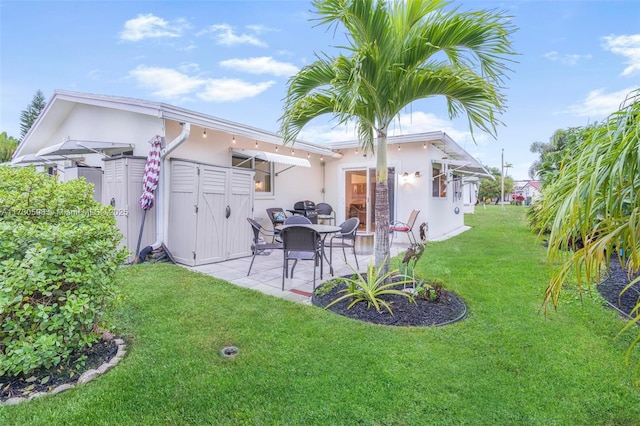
<point>275,158</point>
<point>71,147</point>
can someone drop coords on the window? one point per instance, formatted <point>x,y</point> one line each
<point>263,179</point>
<point>439,189</point>
<point>457,188</point>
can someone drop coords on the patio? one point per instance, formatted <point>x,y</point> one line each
<point>266,274</point>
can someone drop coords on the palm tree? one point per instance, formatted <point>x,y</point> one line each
<point>398,53</point>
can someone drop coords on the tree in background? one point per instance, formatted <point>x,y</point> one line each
<point>399,52</point>
<point>560,148</point>
<point>8,145</point>
<point>30,115</point>
<point>492,188</point>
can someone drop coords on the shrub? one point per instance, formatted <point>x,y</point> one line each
<point>58,257</point>
<point>369,288</point>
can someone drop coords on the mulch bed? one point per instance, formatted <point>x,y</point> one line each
<point>45,380</point>
<point>449,308</point>
<point>615,282</point>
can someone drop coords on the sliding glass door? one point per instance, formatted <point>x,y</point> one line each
<point>360,196</point>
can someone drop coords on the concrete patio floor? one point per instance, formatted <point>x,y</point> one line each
<point>266,273</point>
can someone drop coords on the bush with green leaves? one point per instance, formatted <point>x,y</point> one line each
<point>58,258</point>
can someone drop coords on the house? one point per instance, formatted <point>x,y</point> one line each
<point>530,190</point>
<point>215,173</point>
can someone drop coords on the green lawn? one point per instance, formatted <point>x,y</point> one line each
<point>506,364</point>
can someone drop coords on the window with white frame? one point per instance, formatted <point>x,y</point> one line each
<point>263,178</point>
<point>439,182</point>
<point>456,185</point>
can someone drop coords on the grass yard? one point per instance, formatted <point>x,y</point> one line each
<point>506,364</point>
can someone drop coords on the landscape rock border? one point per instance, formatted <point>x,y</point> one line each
<point>85,377</point>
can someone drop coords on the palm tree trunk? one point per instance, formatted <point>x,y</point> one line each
<point>382,204</point>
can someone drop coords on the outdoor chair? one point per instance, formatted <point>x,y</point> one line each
<point>297,220</point>
<point>277,217</point>
<point>301,243</point>
<point>346,238</point>
<point>405,227</point>
<point>259,245</point>
<point>325,212</point>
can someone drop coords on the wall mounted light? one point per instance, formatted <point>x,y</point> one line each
<point>405,177</point>
<point>417,174</point>
<point>204,133</point>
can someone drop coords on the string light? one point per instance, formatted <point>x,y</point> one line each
<point>256,144</point>
<point>293,152</point>
<point>398,147</point>
<point>204,133</point>
<point>321,157</point>
<point>276,148</point>
<point>424,145</point>
<point>308,155</point>
<point>356,151</point>
<point>233,140</point>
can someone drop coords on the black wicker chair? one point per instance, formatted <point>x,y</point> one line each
<point>260,245</point>
<point>301,243</point>
<point>346,238</point>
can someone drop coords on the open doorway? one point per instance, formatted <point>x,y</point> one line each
<point>360,196</point>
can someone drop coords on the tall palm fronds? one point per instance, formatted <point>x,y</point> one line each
<point>399,52</point>
<point>593,208</point>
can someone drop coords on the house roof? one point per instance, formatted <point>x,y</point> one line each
<point>454,153</point>
<point>534,184</point>
<point>62,103</point>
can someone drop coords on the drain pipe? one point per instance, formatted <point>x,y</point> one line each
<point>162,216</point>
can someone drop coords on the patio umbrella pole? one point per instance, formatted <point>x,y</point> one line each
<point>144,216</point>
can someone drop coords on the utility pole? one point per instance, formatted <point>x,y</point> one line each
<point>502,191</point>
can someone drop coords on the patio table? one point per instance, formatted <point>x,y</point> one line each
<point>323,230</point>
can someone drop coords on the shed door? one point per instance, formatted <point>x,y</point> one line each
<point>240,201</point>
<point>182,211</point>
<point>211,229</point>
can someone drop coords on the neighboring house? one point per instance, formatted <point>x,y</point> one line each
<point>530,190</point>
<point>216,173</point>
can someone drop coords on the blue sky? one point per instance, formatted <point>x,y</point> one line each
<point>232,59</point>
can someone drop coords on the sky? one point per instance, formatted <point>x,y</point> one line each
<point>576,62</point>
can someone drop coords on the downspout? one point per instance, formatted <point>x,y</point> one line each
<point>162,211</point>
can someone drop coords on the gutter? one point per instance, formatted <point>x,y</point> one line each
<point>162,215</point>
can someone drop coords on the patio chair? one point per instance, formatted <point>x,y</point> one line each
<point>325,212</point>
<point>297,220</point>
<point>346,238</point>
<point>405,227</point>
<point>301,243</point>
<point>259,245</point>
<point>277,217</point>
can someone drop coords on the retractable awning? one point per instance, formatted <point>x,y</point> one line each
<point>33,159</point>
<point>71,147</point>
<point>275,158</point>
<point>464,167</point>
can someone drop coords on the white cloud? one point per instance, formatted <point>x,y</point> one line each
<point>170,83</point>
<point>221,90</point>
<point>599,104</point>
<point>166,82</point>
<point>567,58</point>
<point>627,46</point>
<point>261,65</point>
<point>151,26</point>
<point>225,35</point>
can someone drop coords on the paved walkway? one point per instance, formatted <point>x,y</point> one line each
<point>266,274</point>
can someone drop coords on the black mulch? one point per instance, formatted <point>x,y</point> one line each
<point>45,380</point>
<point>449,308</point>
<point>615,282</point>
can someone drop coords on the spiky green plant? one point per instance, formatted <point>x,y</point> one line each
<point>369,288</point>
